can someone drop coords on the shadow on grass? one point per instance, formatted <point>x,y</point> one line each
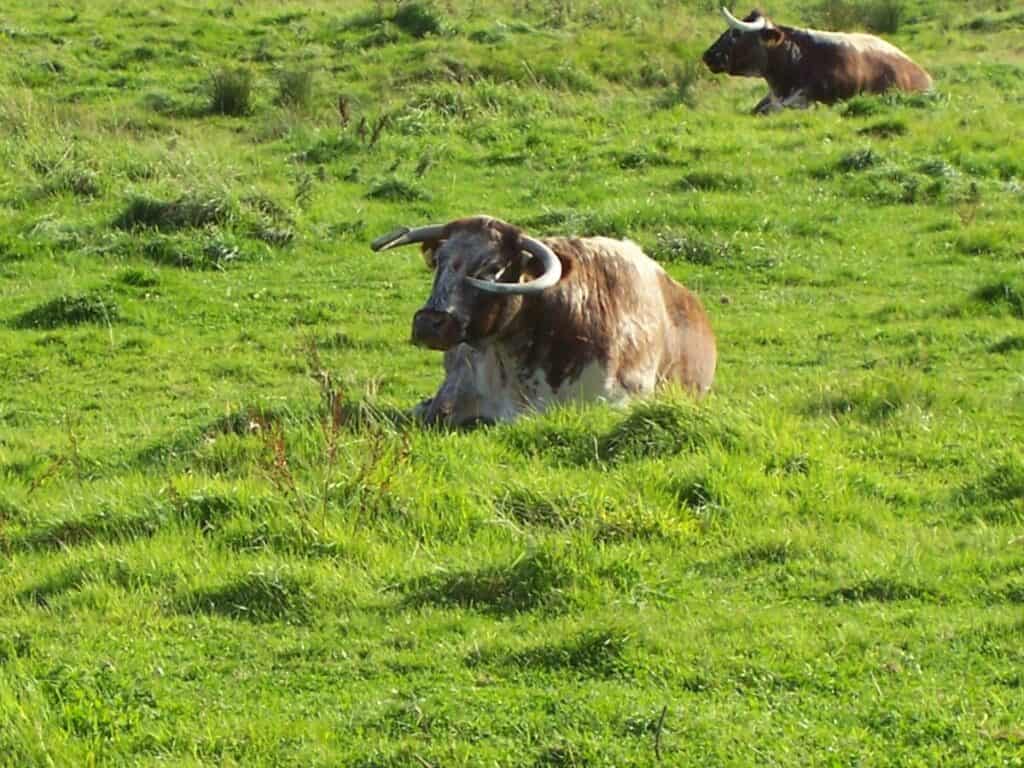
<point>606,519</point>
<point>1006,591</point>
<point>885,129</point>
<point>997,498</point>
<point>256,597</point>
<point>105,527</point>
<point>1002,295</point>
<point>881,590</point>
<point>9,511</point>
<point>594,653</point>
<point>535,581</point>
<point>1004,483</point>
<point>769,554</point>
<point>205,511</point>
<point>709,181</point>
<point>528,506</point>
<point>1014,592</point>
<point>873,401</point>
<point>116,573</point>
<point>1008,345</point>
<point>281,534</point>
<point>210,511</point>
<point>652,429</point>
<point>68,310</point>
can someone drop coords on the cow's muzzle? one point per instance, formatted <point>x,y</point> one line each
<point>716,61</point>
<point>435,330</point>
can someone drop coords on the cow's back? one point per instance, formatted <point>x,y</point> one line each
<point>639,324</point>
<point>840,65</point>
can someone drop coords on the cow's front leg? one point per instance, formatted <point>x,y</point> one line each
<point>457,401</point>
<point>441,410</point>
<point>796,100</point>
<point>767,105</point>
<point>420,410</point>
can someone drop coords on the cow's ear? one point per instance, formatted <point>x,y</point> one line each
<point>772,36</point>
<point>530,265</point>
<point>428,249</point>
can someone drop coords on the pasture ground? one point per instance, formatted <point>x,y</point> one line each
<point>223,545</point>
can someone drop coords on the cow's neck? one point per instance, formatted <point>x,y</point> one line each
<point>785,64</point>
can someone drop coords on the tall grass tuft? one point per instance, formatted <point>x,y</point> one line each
<point>858,160</point>
<point>692,248</point>
<point>231,92</point>
<point>683,86</point>
<point>396,190</point>
<point>69,310</point>
<point>661,428</point>
<point>419,19</point>
<point>1002,293</point>
<point>187,212</point>
<point>884,16</point>
<point>881,16</point>
<point>295,88</point>
<point>837,14</point>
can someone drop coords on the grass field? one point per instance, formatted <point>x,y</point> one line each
<point>223,544</point>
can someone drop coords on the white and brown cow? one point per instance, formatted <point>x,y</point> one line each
<point>526,323</point>
<point>805,65</point>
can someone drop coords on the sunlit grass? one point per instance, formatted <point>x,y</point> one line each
<point>225,542</point>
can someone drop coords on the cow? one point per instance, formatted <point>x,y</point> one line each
<point>527,323</point>
<point>805,65</point>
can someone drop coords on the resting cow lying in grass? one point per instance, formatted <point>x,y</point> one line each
<point>525,323</point>
<point>805,65</point>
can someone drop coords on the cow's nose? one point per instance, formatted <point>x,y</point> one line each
<point>434,329</point>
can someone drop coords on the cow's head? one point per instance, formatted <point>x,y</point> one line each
<point>482,269</point>
<point>742,48</point>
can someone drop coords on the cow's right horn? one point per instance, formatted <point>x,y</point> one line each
<point>550,276</point>
<point>744,26</point>
<point>406,236</point>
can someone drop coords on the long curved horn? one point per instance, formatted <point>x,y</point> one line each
<point>406,236</point>
<point>744,26</point>
<point>550,276</point>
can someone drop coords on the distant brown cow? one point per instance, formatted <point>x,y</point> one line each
<point>805,65</point>
<point>527,323</point>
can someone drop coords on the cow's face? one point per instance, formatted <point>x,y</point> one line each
<point>457,311</point>
<point>743,52</point>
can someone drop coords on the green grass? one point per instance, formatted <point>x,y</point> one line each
<point>231,92</point>
<point>224,543</point>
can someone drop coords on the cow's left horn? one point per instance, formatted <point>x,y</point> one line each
<point>550,276</point>
<point>406,236</point>
<point>744,26</point>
